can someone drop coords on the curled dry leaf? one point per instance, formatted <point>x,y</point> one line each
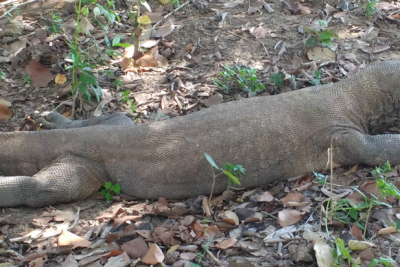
<point>288,217</point>
<point>360,245</point>
<point>39,73</point>
<point>231,218</point>
<point>257,217</point>
<point>154,255</point>
<point>212,101</point>
<point>227,243</point>
<point>291,197</point>
<point>387,230</point>
<point>166,29</point>
<point>69,239</point>
<point>323,253</point>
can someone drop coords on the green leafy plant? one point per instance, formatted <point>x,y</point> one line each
<point>233,172</point>
<point>126,99</point>
<point>203,253</point>
<point>277,79</point>
<point>370,7</point>
<point>317,77</point>
<point>110,189</point>
<point>322,35</point>
<point>321,179</point>
<point>345,210</point>
<point>56,23</point>
<point>116,42</point>
<point>342,254</point>
<point>27,79</point>
<point>2,75</point>
<point>240,78</point>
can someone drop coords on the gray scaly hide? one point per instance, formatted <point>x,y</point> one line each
<point>274,138</point>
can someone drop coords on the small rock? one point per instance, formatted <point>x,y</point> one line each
<point>300,253</point>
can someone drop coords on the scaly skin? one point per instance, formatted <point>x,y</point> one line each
<point>273,137</point>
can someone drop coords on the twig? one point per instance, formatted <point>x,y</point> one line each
<point>213,257</point>
<point>169,14</point>
<point>15,7</point>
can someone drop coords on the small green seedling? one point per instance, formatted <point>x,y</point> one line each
<point>277,79</point>
<point>110,189</point>
<point>126,99</point>
<point>370,7</point>
<point>321,179</point>
<point>2,75</point>
<point>56,23</point>
<point>239,78</point>
<point>27,79</point>
<point>324,36</point>
<point>317,77</point>
<point>233,172</point>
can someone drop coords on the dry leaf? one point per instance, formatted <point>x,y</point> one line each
<point>144,20</point>
<point>188,256</point>
<point>60,79</point>
<point>305,10</point>
<point>135,248</point>
<point>255,7</point>
<point>147,61</point>
<point>231,4</point>
<point>323,253</point>
<point>265,197</point>
<point>261,33</point>
<point>40,75</point>
<point>154,255</point>
<point>360,245</point>
<point>321,54</point>
<point>288,217</point>
<point>121,260</point>
<point>387,230</point>
<point>257,217</point>
<point>165,30</point>
<point>356,232</point>
<point>211,231</point>
<point>5,112</point>
<point>69,239</point>
<point>227,243</point>
<point>292,197</point>
<point>212,101</point>
<point>86,25</point>
<point>231,218</point>
<point>154,16</point>
<point>197,228</point>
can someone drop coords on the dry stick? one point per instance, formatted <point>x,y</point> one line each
<point>169,14</point>
<point>15,7</point>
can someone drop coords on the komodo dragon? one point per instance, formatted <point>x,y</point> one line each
<point>273,137</point>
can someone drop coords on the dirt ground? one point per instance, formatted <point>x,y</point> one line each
<point>269,36</point>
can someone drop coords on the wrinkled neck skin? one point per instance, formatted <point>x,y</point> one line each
<point>380,109</point>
